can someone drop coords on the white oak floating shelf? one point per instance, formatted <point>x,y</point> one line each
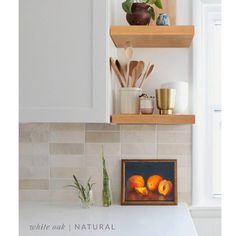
<point>178,36</point>
<point>153,119</point>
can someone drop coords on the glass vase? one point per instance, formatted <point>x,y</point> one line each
<point>106,193</point>
<point>88,202</point>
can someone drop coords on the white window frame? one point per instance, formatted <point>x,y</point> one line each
<point>203,12</point>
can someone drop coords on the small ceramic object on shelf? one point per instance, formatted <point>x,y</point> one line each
<point>181,98</point>
<point>139,15</point>
<point>146,104</point>
<point>163,19</point>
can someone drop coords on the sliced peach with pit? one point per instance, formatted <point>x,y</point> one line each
<point>165,187</point>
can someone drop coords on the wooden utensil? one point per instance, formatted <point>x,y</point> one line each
<point>120,68</point>
<point>132,65</point>
<point>138,70</point>
<point>144,74</point>
<point>129,55</point>
<point>117,72</point>
<point>147,74</point>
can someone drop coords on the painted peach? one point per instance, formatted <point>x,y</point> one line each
<point>142,190</point>
<point>165,187</point>
<point>135,181</point>
<point>153,182</point>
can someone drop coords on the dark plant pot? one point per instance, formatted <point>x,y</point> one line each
<point>139,15</point>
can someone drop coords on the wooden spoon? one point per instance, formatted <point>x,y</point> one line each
<point>138,70</point>
<point>129,55</point>
<point>117,72</point>
<point>147,74</point>
<point>131,66</point>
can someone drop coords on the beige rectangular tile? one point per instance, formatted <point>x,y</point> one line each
<point>138,136</point>
<point>138,127</point>
<point>186,128</point>
<point>34,195</point>
<point>174,149</point>
<point>66,127</point>
<point>173,137</point>
<point>33,149</point>
<point>184,173</point>
<point>60,172</point>
<point>24,136</point>
<point>33,133</point>
<point>64,196</point>
<point>182,161</point>
<point>60,184</point>
<point>138,148</point>
<point>109,149</point>
<point>184,185</point>
<point>66,148</point>
<point>96,161</point>
<point>67,161</point>
<point>34,161</point>
<point>34,126</point>
<point>34,172</point>
<point>102,137</point>
<point>67,136</point>
<point>185,197</point>
<point>102,127</point>
<point>40,184</point>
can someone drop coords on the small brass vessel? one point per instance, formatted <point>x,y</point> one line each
<point>165,99</point>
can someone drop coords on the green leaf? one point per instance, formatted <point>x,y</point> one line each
<point>127,6</point>
<point>151,1</point>
<point>151,12</point>
<point>158,4</point>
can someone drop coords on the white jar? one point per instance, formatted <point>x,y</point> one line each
<point>129,100</point>
<point>181,98</point>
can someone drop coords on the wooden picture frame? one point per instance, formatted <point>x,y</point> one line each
<point>148,182</point>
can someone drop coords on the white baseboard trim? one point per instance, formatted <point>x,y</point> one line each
<point>205,212</point>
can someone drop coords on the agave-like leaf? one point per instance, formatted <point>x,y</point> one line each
<point>158,4</point>
<point>151,12</point>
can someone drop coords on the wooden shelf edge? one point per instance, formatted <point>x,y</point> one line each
<point>179,36</point>
<point>152,119</point>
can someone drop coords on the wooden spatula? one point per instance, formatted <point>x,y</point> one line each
<point>120,68</point>
<point>117,72</point>
<point>147,74</point>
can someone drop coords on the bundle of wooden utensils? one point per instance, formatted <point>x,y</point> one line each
<point>133,74</point>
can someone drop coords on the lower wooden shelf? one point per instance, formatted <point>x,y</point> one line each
<point>153,119</point>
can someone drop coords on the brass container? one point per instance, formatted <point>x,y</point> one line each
<point>165,99</point>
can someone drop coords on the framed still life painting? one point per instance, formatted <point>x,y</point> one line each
<point>149,182</point>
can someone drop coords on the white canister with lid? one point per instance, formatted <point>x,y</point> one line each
<point>129,100</point>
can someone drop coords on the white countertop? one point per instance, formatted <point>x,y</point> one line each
<point>115,220</point>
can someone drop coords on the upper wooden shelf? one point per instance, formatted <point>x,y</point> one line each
<point>153,36</point>
<point>153,119</point>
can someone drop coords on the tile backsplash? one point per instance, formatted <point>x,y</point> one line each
<point>50,153</point>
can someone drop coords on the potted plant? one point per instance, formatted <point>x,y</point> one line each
<point>140,12</point>
<point>85,193</point>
